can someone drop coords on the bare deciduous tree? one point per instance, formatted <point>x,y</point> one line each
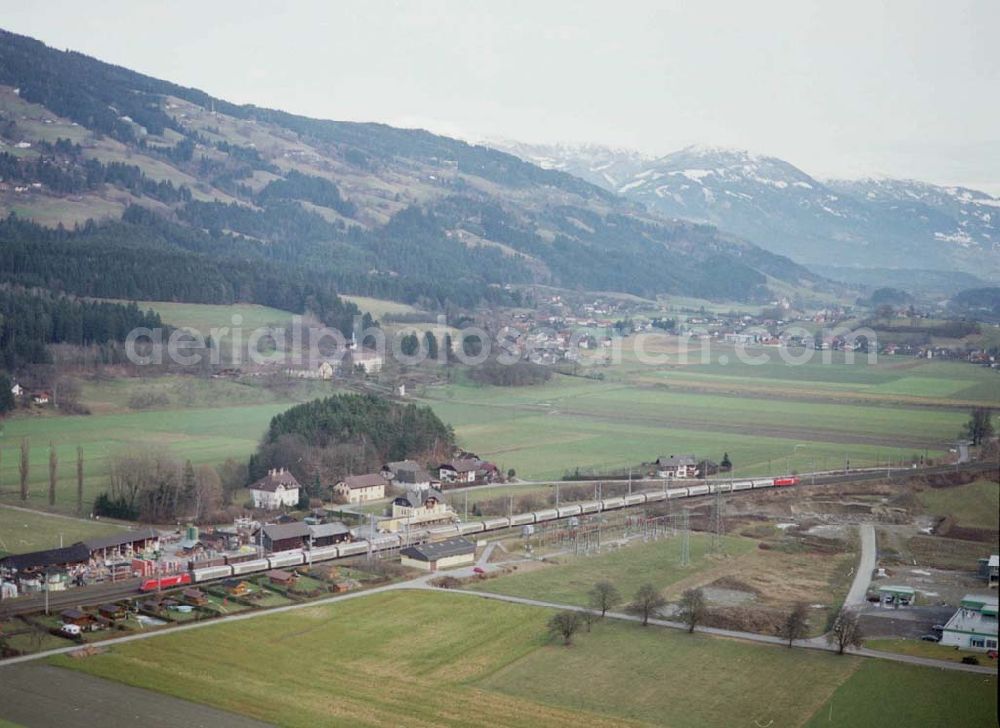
<point>846,631</point>
<point>53,473</point>
<point>79,480</point>
<point>980,425</point>
<point>603,596</point>
<point>646,603</point>
<point>565,624</point>
<point>796,623</point>
<point>693,608</point>
<point>24,467</point>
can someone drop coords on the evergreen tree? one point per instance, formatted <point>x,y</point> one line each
<point>24,467</point>
<point>53,468</point>
<point>79,480</point>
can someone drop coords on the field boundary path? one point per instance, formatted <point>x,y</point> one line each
<point>857,595</point>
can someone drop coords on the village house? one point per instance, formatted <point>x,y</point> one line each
<point>676,466</point>
<point>285,536</point>
<point>439,555</point>
<point>17,390</point>
<point>989,570</point>
<point>461,471</point>
<point>418,507</point>
<point>361,488</point>
<point>277,489</point>
<point>974,625</point>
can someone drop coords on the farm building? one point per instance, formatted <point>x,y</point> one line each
<point>361,488</point>
<point>285,536</point>
<point>896,596</point>
<point>123,545</point>
<point>112,611</point>
<point>327,534</point>
<point>391,470</point>
<point>419,478</point>
<point>195,597</point>
<point>459,471</point>
<point>440,555</point>
<point>974,625</point>
<point>676,466</point>
<point>81,619</point>
<point>277,489</point>
<point>989,570</point>
<point>38,561</point>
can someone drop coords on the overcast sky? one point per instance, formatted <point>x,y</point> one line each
<point>907,88</point>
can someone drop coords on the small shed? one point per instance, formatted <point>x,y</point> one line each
<point>81,619</point>
<point>281,577</point>
<point>195,596</point>
<point>236,587</point>
<point>112,611</point>
<point>440,555</point>
<point>285,536</point>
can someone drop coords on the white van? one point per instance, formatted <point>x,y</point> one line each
<point>70,630</point>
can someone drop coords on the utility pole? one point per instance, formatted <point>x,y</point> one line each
<point>718,524</point>
<point>685,539</point>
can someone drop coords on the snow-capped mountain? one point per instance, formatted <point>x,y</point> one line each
<point>850,223</point>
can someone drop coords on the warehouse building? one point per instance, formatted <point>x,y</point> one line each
<point>974,625</point>
<point>440,555</point>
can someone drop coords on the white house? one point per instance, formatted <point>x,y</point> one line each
<point>439,555</point>
<point>419,507</point>
<point>17,390</point>
<point>676,466</point>
<point>974,625</point>
<point>276,489</point>
<point>361,488</point>
<point>459,471</point>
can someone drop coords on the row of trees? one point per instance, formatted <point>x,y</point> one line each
<point>24,472</point>
<point>693,610</point>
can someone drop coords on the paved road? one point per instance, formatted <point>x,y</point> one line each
<point>811,644</point>
<point>42,696</point>
<point>856,596</point>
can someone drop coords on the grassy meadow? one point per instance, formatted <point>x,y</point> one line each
<point>433,659</point>
<point>976,505</point>
<point>23,531</point>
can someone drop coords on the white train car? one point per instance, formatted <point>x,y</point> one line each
<point>611,503</point>
<point>464,529</point>
<point>494,524</point>
<point>448,531</point>
<point>288,558</point>
<point>743,485</point>
<point>677,493</point>
<point>522,519</point>
<point>211,572</point>
<point>720,487</point>
<point>248,567</point>
<point>323,553</point>
<point>549,514</point>
<point>590,507</point>
<point>353,548</point>
<point>762,483</point>
<point>635,499</point>
<point>697,490</point>
<point>655,496</point>
<point>573,510</point>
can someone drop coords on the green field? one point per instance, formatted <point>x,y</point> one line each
<point>431,659</point>
<point>976,505</point>
<point>930,650</point>
<point>628,568</point>
<point>203,316</point>
<point>22,531</point>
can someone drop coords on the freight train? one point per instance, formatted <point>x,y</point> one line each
<point>247,564</point>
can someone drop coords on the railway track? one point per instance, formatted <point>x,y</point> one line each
<point>99,593</point>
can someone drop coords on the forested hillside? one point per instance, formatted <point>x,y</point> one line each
<point>202,185</point>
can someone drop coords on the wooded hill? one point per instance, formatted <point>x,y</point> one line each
<point>363,208</point>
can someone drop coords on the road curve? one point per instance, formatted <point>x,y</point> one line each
<point>856,596</point>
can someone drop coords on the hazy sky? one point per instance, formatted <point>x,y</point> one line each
<point>903,88</point>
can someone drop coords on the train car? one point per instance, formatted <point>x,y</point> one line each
<point>564,511</point>
<point>763,483</point>
<point>698,490</point>
<point>720,487</point>
<point>494,524</point>
<point>288,558</point>
<point>322,553</point>
<point>635,499</point>
<point>447,531</point>
<point>677,493</point>
<point>522,519</point>
<point>611,503</point>
<point>656,495</point>
<point>590,507</point>
<point>353,548</point>
<point>548,514</point>
<point>237,558</point>
<point>165,582</point>
<point>211,572</point>
<point>743,485</point>
<point>791,480</point>
<point>464,529</point>
<point>247,567</point>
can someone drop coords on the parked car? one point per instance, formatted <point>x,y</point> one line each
<point>931,638</point>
